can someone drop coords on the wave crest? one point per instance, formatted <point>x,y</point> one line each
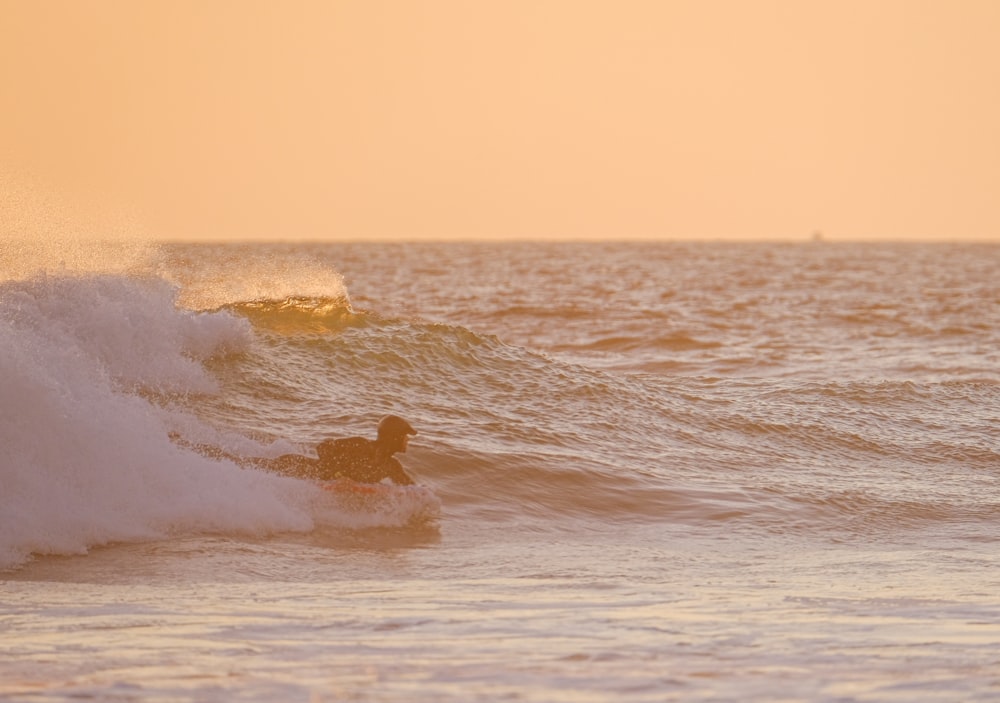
<point>300,314</point>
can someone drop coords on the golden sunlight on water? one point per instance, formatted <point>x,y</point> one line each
<point>647,472</point>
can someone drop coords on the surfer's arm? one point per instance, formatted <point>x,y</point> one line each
<point>398,474</point>
<point>206,450</point>
<point>289,464</point>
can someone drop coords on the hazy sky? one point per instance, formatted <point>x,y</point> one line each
<point>509,118</point>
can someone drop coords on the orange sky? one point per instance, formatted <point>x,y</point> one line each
<point>676,119</point>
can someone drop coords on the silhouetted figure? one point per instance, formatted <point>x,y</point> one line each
<point>355,458</point>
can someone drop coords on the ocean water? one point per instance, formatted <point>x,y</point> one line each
<point>648,472</point>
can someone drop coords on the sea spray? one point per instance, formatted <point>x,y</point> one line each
<point>44,229</point>
<point>240,274</point>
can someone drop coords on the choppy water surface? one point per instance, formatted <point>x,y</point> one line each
<point>650,472</point>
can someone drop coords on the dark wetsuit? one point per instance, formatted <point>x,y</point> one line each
<point>354,458</point>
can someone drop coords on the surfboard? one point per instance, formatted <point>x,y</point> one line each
<point>346,486</point>
<point>363,505</point>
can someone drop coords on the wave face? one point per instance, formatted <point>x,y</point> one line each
<point>794,389</point>
<point>99,373</point>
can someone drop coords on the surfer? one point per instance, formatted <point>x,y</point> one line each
<point>354,458</point>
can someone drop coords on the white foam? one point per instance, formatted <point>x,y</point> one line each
<point>85,456</point>
<point>392,506</point>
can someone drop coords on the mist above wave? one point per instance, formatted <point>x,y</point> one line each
<point>211,277</point>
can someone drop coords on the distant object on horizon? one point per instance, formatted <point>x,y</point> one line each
<point>817,235</point>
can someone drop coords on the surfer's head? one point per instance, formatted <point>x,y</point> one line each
<point>395,432</point>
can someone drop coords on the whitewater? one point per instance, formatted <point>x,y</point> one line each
<point>647,472</point>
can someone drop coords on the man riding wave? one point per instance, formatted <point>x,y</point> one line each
<point>354,458</point>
